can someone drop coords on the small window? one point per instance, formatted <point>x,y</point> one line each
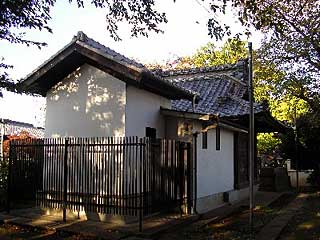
<point>204,140</point>
<point>151,132</point>
<point>218,138</point>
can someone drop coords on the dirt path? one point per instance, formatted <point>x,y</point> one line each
<point>233,227</point>
<point>10,232</point>
<point>305,225</point>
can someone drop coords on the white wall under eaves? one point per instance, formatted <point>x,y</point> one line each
<point>143,110</point>
<point>87,103</point>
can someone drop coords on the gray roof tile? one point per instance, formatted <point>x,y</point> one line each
<point>117,56</point>
<point>220,88</point>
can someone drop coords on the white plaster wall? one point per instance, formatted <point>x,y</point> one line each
<point>143,110</point>
<point>302,177</point>
<point>87,103</point>
<point>215,168</point>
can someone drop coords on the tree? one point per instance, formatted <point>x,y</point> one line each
<point>294,49</point>
<point>210,55</point>
<point>19,15</point>
<point>278,16</point>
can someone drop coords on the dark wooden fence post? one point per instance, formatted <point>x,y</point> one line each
<point>189,178</point>
<point>9,177</point>
<point>65,179</point>
<point>181,176</point>
<point>140,186</point>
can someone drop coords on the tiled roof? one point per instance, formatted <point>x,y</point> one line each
<point>237,70</point>
<point>11,128</point>
<point>83,49</point>
<point>221,89</point>
<point>82,37</point>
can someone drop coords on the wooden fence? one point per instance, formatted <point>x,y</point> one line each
<point>112,175</point>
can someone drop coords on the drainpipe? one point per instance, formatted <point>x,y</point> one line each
<point>195,136</point>
<point>194,102</point>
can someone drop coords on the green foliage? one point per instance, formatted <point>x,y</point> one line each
<point>267,143</point>
<point>293,47</point>
<point>287,108</point>
<point>211,55</point>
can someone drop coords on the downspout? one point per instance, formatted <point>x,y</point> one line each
<point>195,153</point>
<point>194,102</point>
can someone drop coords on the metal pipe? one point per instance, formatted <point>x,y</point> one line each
<point>251,137</point>
<point>194,102</point>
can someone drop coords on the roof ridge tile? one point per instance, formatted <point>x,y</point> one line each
<point>217,68</point>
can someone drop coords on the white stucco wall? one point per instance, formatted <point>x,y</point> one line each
<point>215,168</point>
<point>89,102</point>
<point>143,110</point>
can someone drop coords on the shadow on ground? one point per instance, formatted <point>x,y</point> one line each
<point>305,225</point>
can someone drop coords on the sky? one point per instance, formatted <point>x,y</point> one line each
<point>184,33</point>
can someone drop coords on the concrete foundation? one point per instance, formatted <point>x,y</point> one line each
<point>214,201</point>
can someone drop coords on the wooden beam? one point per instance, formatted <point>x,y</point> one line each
<point>49,64</point>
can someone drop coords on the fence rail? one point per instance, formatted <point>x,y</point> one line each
<point>112,175</point>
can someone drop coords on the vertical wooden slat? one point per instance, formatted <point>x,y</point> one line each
<point>72,169</point>
<point>86,176</point>
<point>52,176</point>
<point>144,175</point>
<point>113,166</point>
<point>77,180</point>
<point>12,155</point>
<point>117,175</point>
<point>130,176</point>
<point>140,184</point>
<point>96,171</point>
<point>81,173</point>
<point>134,192</point>
<point>100,175</point>
<point>108,175</point>
<point>121,178</point>
<point>61,158</point>
<point>65,177</point>
<point>69,171</point>
<point>91,179</point>
<point>104,173</point>
<point>125,161</point>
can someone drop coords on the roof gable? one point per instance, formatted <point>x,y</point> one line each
<point>83,49</point>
